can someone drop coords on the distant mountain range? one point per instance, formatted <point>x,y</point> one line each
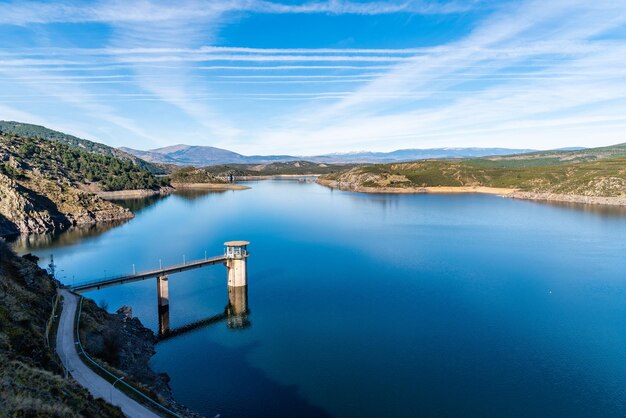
<point>206,156</point>
<point>202,156</point>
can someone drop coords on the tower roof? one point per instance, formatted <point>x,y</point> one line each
<point>236,243</point>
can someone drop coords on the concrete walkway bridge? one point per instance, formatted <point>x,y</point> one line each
<point>129,278</point>
<point>235,314</point>
<point>234,258</point>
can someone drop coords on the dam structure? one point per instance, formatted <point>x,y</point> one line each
<point>234,258</point>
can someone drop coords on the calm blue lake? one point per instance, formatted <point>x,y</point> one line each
<point>376,305</point>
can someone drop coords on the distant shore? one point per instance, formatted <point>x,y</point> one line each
<point>275,176</point>
<point>416,190</point>
<point>504,192</point>
<point>209,186</point>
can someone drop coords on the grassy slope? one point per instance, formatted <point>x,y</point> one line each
<point>31,380</point>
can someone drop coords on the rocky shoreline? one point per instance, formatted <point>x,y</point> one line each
<point>122,342</point>
<point>504,192</point>
<point>565,198</point>
<point>46,206</point>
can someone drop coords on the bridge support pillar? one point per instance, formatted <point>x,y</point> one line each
<point>162,290</point>
<point>236,263</point>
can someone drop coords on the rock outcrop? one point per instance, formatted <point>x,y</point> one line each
<point>40,205</point>
<point>20,212</point>
<point>124,344</point>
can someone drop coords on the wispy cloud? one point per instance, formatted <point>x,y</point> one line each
<point>117,11</point>
<point>580,77</point>
<point>530,73</point>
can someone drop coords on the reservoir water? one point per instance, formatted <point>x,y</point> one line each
<point>375,305</point>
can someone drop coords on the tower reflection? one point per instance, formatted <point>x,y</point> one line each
<point>236,314</point>
<point>237,308</point>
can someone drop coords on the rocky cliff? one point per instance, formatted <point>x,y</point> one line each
<point>42,189</point>
<point>39,206</point>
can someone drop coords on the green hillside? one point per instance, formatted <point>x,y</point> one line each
<point>26,157</point>
<point>34,131</point>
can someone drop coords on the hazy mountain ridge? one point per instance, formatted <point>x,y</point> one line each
<point>205,155</point>
<point>411,154</point>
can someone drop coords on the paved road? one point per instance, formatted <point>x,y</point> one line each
<point>96,385</point>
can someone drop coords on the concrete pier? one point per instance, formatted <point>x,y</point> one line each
<point>162,290</point>
<point>236,254</point>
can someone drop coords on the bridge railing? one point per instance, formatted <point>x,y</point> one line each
<point>147,273</point>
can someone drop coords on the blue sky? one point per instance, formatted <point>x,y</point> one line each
<point>261,77</point>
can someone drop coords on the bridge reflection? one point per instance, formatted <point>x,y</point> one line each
<point>236,314</point>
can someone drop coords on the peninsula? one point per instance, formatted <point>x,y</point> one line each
<point>589,176</point>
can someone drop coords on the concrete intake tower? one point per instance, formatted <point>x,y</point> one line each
<point>236,254</point>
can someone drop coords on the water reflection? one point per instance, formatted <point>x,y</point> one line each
<point>601,210</point>
<point>33,242</point>
<point>136,205</point>
<point>164,320</point>
<point>237,308</point>
<point>236,315</point>
<point>194,194</point>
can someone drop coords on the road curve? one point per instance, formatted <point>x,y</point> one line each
<point>90,380</point>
